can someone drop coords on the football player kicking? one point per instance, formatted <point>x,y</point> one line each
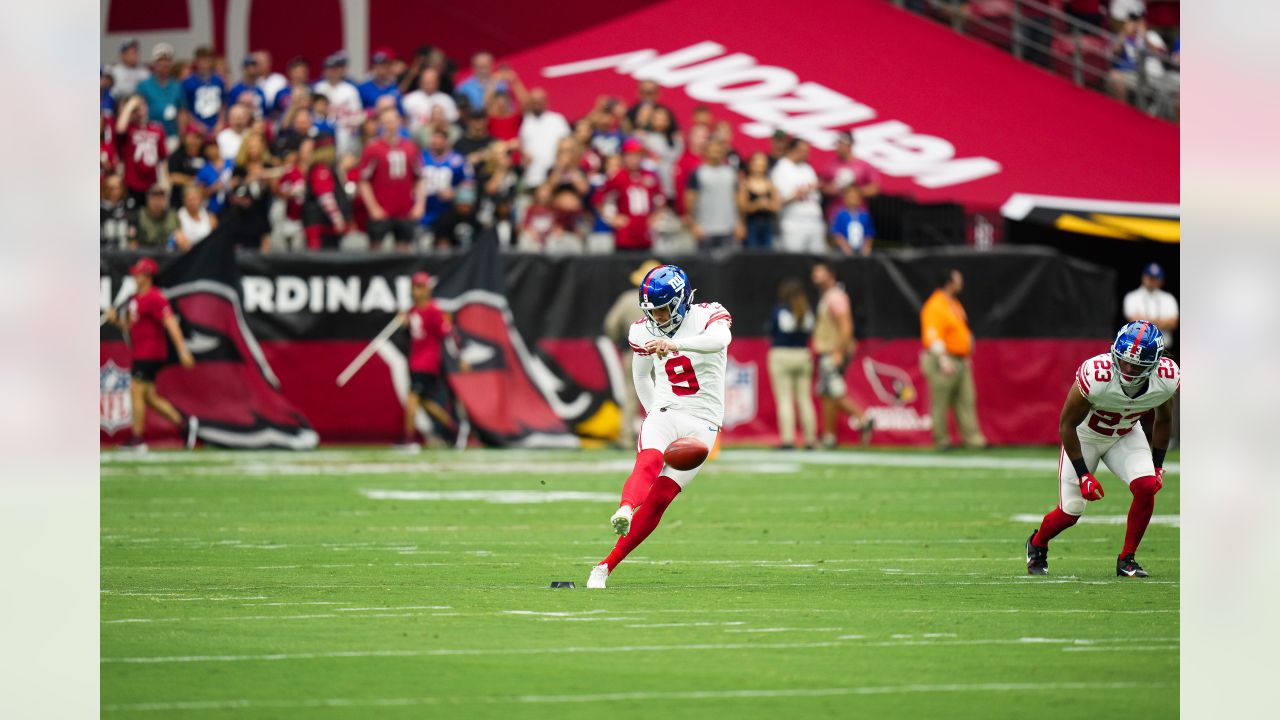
<point>679,366</point>
<point>1100,422</point>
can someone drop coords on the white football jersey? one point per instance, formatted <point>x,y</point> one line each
<point>687,381</point>
<point>1113,414</point>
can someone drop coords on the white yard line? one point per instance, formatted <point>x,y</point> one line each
<point>242,704</point>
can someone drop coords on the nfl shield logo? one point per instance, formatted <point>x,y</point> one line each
<point>740,389</point>
<point>115,408</point>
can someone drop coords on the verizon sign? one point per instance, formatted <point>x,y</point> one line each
<point>775,98</point>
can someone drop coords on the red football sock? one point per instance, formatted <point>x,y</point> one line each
<point>664,490</point>
<point>648,465</point>
<point>1055,522</point>
<point>1144,503</point>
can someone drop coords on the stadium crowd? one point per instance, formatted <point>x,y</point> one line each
<point>430,157</point>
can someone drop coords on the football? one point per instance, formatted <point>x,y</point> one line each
<point>685,454</point>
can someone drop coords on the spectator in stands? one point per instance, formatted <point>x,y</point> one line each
<point>297,127</point>
<point>1150,302</point>
<point>1124,11</point>
<point>269,83</point>
<point>231,137</point>
<point>345,109</point>
<point>724,133</point>
<point>184,165</point>
<point>142,149</point>
<point>711,201</point>
<point>477,139</point>
<point>419,104</point>
<point>458,227</point>
<point>1136,56</point>
<point>444,170</point>
<point>606,136</point>
<point>852,226</point>
<point>195,222</point>
<point>845,169</point>
<point>106,102</point>
<point>392,184</point>
<point>298,85</point>
<point>326,208</point>
<point>779,144</point>
<point>127,74</point>
<point>477,90</point>
<point>382,80</point>
<point>703,116</point>
<point>664,146</point>
<point>1086,11</point>
<point>163,93</point>
<point>946,365</point>
<point>699,135</point>
<point>204,90</point>
<point>249,84</point>
<point>567,172</point>
<point>637,196</point>
<point>244,217</point>
<point>504,116</point>
<point>641,112</point>
<point>790,364</point>
<point>758,202</point>
<point>497,179</point>
<point>290,190</point>
<point>117,221</point>
<point>214,178</point>
<point>108,158</point>
<point>156,221</point>
<point>834,345</point>
<point>540,134</point>
<point>322,116</point>
<point>801,222</point>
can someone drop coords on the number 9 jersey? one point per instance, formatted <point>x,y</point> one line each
<point>1113,414</point>
<point>687,381</point>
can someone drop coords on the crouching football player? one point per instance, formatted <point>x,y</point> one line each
<point>679,366</point>
<point>1100,422</point>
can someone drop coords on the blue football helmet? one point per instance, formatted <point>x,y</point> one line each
<point>1138,343</point>
<point>666,286</point>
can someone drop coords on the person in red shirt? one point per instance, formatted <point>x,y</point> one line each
<point>428,329</point>
<point>638,197</point>
<point>845,169</point>
<point>142,149</point>
<point>148,319</point>
<point>326,210</point>
<point>392,183</point>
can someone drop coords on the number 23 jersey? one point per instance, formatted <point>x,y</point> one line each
<point>687,381</point>
<point>1112,413</point>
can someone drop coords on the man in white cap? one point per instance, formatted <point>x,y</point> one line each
<point>127,73</point>
<point>163,93</point>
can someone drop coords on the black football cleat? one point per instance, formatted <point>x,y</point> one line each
<point>1126,566</point>
<point>1037,558</point>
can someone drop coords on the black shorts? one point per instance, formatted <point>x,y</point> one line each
<point>146,370</point>
<point>428,386</point>
<point>402,229</point>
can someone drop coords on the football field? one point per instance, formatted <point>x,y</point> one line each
<point>373,584</point>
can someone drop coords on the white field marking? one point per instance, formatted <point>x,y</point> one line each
<point>241,704</point>
<point>1122,648</point>
<point>340,469</point>
<point>852,637</point>
<point>939,635</point>
<point>627,618</point>
<point>1009,641</point>
<point>1170,520</point>
<point>494,497</point>
<point>452,652</point>
<point>404,607</point>
<point>913,460</point>
<point>255,618</point>
<point>783,629</point>
<point>552,614</point>
<point>280,604</point>
<point>687,624</point>
<point>1052,611</point>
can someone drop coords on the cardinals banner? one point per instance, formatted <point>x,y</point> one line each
<point>232,389</point>
<point>529,364</point>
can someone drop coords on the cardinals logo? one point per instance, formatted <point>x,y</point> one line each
<point>891,384</point>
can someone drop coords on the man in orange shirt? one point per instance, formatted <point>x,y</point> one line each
<point>948,344</point>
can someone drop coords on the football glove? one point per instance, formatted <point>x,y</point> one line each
<point>1090,488</point>
<point>1160,475</point>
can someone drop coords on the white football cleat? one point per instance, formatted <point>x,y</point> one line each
<point>599,574</point>
<point>621,520</point>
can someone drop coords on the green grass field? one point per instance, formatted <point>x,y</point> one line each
<point>366,584</point>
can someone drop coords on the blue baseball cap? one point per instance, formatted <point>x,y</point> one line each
<point>338,59</point>
<point>1154,270</point>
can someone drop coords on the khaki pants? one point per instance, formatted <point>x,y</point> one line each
<point>954,391</point>
<point>790,370</point>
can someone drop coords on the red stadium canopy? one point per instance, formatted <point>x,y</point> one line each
<point>942,116</point>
